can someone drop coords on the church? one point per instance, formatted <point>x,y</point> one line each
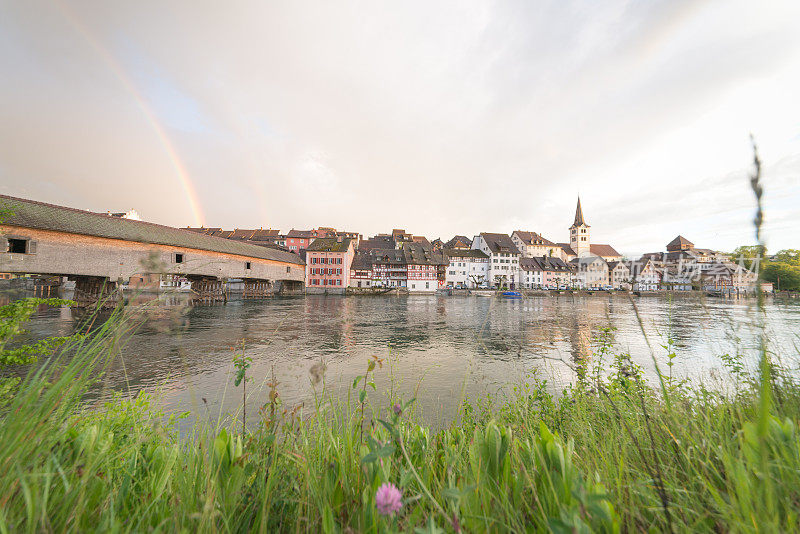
<point>580,243</point>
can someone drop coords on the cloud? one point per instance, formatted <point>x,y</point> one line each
<point>443,119</point>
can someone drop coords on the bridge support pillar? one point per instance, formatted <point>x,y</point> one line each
<point>46,287</point>
<point>208,289</point>
<point>289,287</point>
<point>256,289</point>
<point>95,291</point>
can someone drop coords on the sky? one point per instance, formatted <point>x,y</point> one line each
<point>439,118</point>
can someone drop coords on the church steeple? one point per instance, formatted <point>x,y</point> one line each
<point>579,215</point>
<point>579,237</point>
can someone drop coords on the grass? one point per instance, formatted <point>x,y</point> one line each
<point>609,454</point>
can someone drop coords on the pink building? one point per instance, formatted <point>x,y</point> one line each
<point>297,240</point>
<point>328,261</point>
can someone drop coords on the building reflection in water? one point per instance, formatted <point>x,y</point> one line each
<point>441,349</point>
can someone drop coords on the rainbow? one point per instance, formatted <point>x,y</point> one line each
<point>169,147</point>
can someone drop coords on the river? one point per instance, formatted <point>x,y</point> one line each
<point>439,348</point>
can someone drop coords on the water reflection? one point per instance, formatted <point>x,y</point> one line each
<point>439,348</point>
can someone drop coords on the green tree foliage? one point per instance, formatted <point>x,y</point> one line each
<point>747,253</point>
<point>789,255</point>
<point>784,276</point>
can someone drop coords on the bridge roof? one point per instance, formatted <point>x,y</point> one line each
<point>32,214</point>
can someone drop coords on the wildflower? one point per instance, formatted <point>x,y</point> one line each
<point>387,499</point>
<point>397,409</point>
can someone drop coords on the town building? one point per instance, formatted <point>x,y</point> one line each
<point>459,241</point>
<point>422,265</point>
<point>130,214</point>
<point>328,263</point>
<point>361,270</point>
<point>531,275</point>
<point>389,268</point>
<point>503,258</point>
<point>544,271</point>
<point>619,275</point>
<point>532,244</point>
<point>591,272</point>
<point>466,268</point>
<point>645,276</point>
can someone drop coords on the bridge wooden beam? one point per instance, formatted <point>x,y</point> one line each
<point>95,292</point>
<point>208,289</point>
<point>256,288</point>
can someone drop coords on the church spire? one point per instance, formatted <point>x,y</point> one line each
<point>579,215</point>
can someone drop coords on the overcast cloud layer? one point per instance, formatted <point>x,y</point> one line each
<point>438,118</point>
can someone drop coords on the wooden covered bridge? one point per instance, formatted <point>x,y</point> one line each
<point>99,252</point>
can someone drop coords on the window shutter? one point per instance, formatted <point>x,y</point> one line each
<point>3,244</point>
<point>31,247</point>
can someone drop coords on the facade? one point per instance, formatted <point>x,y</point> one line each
<point>619,275</point>
<point>361,270</point>
<point>556,272</point>
<point>728,278</point>
<point>644,275</point>
<point>422,264</point>
<point>297,240</point>
<point>531,275</point>
<point>328,262</point>
<point>389,268</point>
<point>544,272</point>
<point>504,259</point>
<point>466,268</point>
<point>591,272</point>
<point>532,244</point>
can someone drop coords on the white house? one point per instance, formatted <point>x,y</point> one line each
<point>532,244</point>
<point>422,263</point>
<point>504,258</point>
<point>619,275</point>
<point>466,268</point>
<point>531,274</point>
<point>644,275</point>
<point>591,272</point>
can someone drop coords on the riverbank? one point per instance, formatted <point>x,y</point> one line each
<point>608,453</point>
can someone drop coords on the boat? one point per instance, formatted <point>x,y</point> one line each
<point>512,294</point>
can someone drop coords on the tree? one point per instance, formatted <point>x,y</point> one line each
<point>747,253</point>
<point>782,275</point>
<point>789,255</point>
<point>477,279</point>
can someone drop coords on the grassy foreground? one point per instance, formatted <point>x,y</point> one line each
<point>610,454</point>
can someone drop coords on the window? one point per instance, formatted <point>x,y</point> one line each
<point>178,257</point>
<point>247,265</point>
<point>338,282</point>
<point>18,246</point>
<point>288,269</point>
